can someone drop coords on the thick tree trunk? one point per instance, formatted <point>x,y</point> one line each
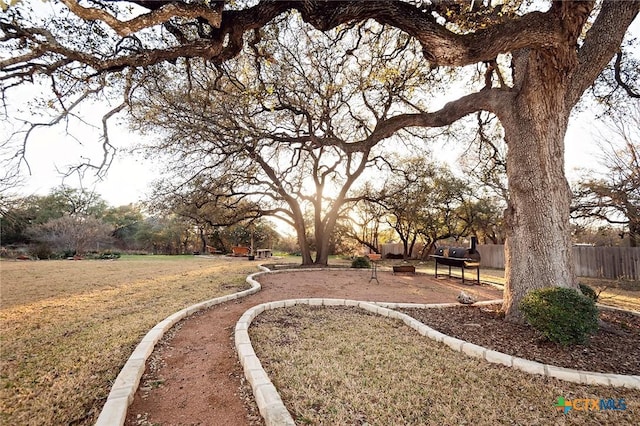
<point>324,231</point>
<point>538,246</point>
<point>305,250</point>
<point>412,245</point>
<point>203,240</point>
<point>322,255</point>
<point>322,246</point>
<point>405,248</point>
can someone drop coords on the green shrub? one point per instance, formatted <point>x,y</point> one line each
<point>589,292</point>
<point>104,255</point>
<point>107,255</point>
<point>361,262</point>
<point>562,315</point>
<point>41,251</point>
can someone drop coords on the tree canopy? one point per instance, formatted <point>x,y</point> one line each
<point>276,131</point>
<point>97,50</point>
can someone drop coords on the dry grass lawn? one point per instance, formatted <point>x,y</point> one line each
<point>67,327</point>
<point>345,366</point>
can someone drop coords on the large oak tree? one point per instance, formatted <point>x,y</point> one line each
<point>538,63</point>
<point>253,129</point>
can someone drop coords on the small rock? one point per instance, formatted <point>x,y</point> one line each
<point>466,299</point>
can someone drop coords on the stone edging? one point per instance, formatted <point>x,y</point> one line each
<point>275,413</point>
<point>614,308</point>
<point>114,411</point>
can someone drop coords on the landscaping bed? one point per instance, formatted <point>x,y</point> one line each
<point>608,351</point>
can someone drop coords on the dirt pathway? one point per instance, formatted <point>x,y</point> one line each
<point>194,377</point>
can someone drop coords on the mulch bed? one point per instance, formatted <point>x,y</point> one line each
<point>613,349</point>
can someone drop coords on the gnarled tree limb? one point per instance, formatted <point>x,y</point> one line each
<point>213,15</point>
<point>601,43</point>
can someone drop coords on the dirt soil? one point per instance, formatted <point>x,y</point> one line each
<point>610,350</point>
<point>194,378</point>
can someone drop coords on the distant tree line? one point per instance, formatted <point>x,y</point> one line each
<point>70,222</point>
<point>415,201</point>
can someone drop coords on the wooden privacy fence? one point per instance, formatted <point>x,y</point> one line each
<point>396,248</point>
<point>607,262</point>
<point>597,262</point>
<point>491,255</point>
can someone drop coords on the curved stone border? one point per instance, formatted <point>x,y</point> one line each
<point>614,308</point>
<point>275,413</point>
<point>532,367</point>
<point>114,411</point>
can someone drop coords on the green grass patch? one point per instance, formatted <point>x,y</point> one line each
<point>67,327</point>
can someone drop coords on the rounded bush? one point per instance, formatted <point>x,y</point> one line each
<point>589,292</point>
<point>361,262</point>
<point>562,315</point>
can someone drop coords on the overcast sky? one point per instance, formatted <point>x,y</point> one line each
<point>50,153</point>
<point>128,179</point>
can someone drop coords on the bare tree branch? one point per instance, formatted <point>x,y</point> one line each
<point>617,73</point>
<point>213,15</point>
<point>601,43</point>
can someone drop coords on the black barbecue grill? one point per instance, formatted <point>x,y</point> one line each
<point>464,258</point>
